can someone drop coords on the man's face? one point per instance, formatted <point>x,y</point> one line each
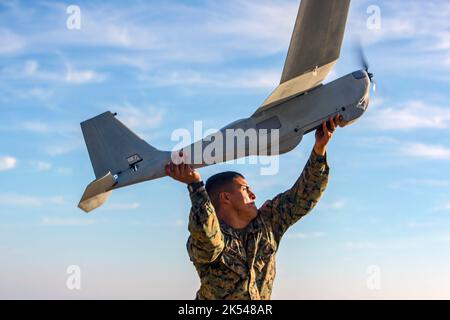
<point>243,199</point>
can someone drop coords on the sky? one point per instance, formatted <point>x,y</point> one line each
<point>382,228</point>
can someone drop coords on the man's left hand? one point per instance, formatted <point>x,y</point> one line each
<point>324,135</point>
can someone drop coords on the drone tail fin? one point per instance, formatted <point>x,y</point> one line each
<point>113,149</point>
<point>96,193</point>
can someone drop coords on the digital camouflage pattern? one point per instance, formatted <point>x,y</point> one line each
<point>240,264</point>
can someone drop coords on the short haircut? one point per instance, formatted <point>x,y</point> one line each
<point>219,183</point>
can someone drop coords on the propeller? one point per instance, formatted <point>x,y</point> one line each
<point>365,64</point>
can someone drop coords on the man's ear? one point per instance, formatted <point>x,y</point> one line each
<point>224,197</point>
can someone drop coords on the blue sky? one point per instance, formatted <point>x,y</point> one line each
<point>163,65</point>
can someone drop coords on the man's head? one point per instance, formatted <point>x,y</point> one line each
<point>230,194</point>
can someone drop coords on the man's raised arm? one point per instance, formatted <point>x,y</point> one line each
<point>289,207</point>
<point>206,241</point>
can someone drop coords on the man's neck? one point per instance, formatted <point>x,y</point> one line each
<point>233,220</point>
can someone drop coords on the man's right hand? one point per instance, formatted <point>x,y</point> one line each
<point>183,173</point>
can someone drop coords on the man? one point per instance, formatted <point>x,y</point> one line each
<point>232,243</point>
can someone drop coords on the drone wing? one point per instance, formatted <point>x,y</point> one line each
<point>315,47</point>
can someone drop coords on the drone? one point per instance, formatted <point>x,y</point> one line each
<point>298,106</point>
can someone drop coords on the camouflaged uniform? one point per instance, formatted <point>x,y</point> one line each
<point>240,264</point>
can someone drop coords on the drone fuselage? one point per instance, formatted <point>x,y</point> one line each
<point>347,96</point>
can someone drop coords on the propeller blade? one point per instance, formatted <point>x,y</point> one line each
<point>363,58</point>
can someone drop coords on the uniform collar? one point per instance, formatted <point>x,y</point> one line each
<point>254,226</point>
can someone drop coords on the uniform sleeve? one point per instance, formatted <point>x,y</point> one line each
<point>289,207</point>
<point>206,241</point>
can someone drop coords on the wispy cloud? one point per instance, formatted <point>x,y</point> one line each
<point>31,70</point>
<point>64,171</point>
<point>35,126</point>
<point>83,76</point>
<point>11,199</point>
<point>424,151</point>
<point>244,79</point>
<point>10,42</point>
<point>7,163</point>
<point>63,147</point>
<point>41,166</point>
<point>411,116</point>
<point>64,222</point>
<point>301,235</point>
<point>137,118</point>
<point>392,244</point>
<point>210,32</point>
<point>47,127</point>
<point>122,206</point>
<point>419,22</point>
<point>425,183</point>
<point>334,205</point>
<point>421,224</point>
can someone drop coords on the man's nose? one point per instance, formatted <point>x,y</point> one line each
<point>252,196</point>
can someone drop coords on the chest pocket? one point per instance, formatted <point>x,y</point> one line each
<point>265,254</point>
<point>234,261</point>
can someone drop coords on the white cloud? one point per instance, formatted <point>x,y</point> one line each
<point>335,205</point>
<point>62,148</point>
<point>12,199</point>
<point>211,32</point>
<point>63,171</point>
<point>34,126</point>
<point>361,245</point>
<point>261,27</point>
<point>31,70</point>
<point>410,116</point>
<point>265,79</point>
<point>443,41</point>
<point>139,119</point>
<point>418,20</point>
<point>392,28</point>
<point>9,94</point>
<point>41,166</point>
<point>102,26</point>
<point>420,225</point>
<point>426,183</point>
<point>430,152</point>
<point>7,163</point>
<point>66,144</point>
<point>30,67</point>
<point>58,222</point>
<point>37,93</point>
<point>10,42</point>
<point>443,238</point>
<point>301,235</point>
<point>392,244</point>
<point>141,63</point>
<point>39,126</point>
<point>122,206</point>
<point>83,76</point>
